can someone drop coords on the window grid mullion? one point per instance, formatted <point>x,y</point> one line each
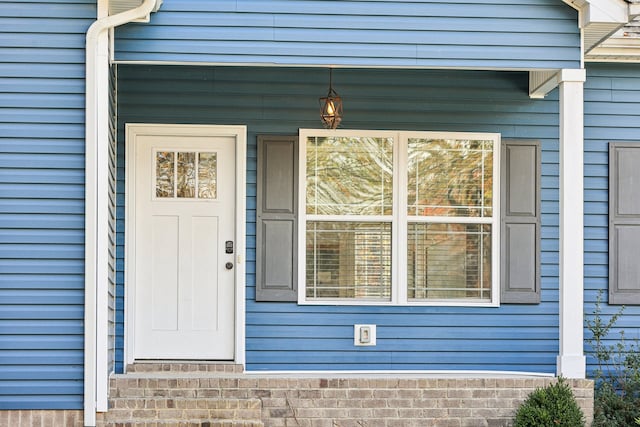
<point>400,240</point>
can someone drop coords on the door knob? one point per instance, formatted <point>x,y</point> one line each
<point>229,265</point>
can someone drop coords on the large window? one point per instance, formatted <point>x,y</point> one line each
<point>398,217</point>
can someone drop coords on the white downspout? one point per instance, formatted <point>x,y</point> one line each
<point>96,208</point>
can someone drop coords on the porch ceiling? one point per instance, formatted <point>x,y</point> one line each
<point>624,44</point>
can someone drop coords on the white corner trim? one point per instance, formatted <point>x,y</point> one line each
<point>239,132</point>
<point>96,206</point>
<point>571,360</point>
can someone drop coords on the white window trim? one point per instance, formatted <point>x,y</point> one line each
<point>399,219</point>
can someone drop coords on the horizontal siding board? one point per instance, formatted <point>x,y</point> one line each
<point>399,36</point>
<point>45,160</point>
<point>384,345</point>
<point>15,99</point>
<point>13,41</point>
<point>38,312</point>
<point>31,25</point>
<point>17,372</point>
<point>36,281</point>
<point>42,71</point>
<point>39,327</point>
<point>468,320</point>
<point>18,387</point>
<point>40,146</point>
<point>488,34</point>
<point>228,20</point>
<point>454,360</point>
<point>43,206</point>
<point>39,221</point>
<point>40,130</point>
<point>41,115</point>
<point>31,87</point>
<point>403,8</point>
<point>409,332</point>
<point>42,55</point>
<point>48,342</point>
<point>46,176</point>
<point>41,297</point>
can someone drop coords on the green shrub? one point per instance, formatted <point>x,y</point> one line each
<point>617,376</point>
<point>553,405</point>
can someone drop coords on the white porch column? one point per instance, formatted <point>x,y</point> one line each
<point>571,361</point>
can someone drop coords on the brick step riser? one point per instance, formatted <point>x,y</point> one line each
<point>222,368</point>
<point>186,394</point>
<point>181,414</point>
<point>183,403</point>
<point>183,423</point>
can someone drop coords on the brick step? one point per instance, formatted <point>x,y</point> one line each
<point>183,409</point>
<point>162,403</point>
<point>181,386</point>
<point>183,423</point>
<point>226,368</point>
<point>183,412</point>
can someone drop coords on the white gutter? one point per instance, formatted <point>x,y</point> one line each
<point>96,257</point>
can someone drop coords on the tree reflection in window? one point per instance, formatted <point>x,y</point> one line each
<point>349,176</point>
<point>179,173</point>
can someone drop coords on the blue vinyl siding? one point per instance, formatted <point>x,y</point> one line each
<point>612,114</point>
<point>496,34</point>
<point>42,202</point>
<point>286,336</point>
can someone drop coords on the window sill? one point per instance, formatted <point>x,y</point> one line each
<point>411,303</point>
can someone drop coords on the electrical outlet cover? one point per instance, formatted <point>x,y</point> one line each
<point>364,335</point>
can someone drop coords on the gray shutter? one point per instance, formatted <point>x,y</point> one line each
<point>276,215</point>
<point>624,223</point>
<point>520,222</point>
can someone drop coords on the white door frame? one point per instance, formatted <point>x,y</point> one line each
<point>239,132</point>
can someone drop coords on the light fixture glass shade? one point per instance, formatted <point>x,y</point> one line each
<point>331,108</point>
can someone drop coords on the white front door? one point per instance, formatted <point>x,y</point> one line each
<point>184,247</point>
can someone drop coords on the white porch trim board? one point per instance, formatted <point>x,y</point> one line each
<point>571,361</point>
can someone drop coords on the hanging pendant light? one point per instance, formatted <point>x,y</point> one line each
<point>331,107</point>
